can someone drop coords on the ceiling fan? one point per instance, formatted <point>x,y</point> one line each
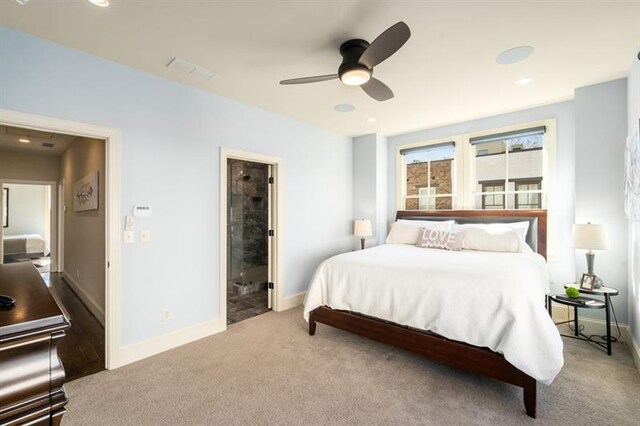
<point>358,59</point>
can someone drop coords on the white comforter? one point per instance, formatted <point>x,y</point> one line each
<point>486,299</point>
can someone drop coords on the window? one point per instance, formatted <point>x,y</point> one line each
<point>525,198</point>
<point>505,169</point>
<point>511,164</point>
<point>428,173</point>
<point>493,195</point>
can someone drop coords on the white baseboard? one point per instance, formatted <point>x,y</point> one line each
<point>155,345</point>
<point>292,301</point>
<point>95,309</point>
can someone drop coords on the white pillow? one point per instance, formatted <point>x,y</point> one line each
<point>521,229</point>
<point>408,231</point>
<point>491,238</point>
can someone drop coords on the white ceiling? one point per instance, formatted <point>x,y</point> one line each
<point>9,140</point>
<point>445,73</point>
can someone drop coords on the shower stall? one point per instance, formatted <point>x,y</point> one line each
<point>247,239</point>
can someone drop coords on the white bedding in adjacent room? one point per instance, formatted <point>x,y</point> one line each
<point>486,299</point>
<point>24,244</point>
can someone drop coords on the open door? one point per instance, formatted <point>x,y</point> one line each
<point>270,238</point>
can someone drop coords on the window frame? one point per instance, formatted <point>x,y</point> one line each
<point>486,193</point>
<point>401,173</point>
<point>463,177</point>
<point>518,192</point>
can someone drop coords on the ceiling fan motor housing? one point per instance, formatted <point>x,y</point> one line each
<point>350,71</point>
<point>351,51</point>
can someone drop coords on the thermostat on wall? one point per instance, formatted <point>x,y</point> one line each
<point>142,211</point>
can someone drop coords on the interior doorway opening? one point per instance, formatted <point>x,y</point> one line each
<point>52,182</point>
<point>248,225</point>
<point>250,199</point>
<point>27,219</point>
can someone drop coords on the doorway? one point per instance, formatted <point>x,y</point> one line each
<point>248,228</point>
<point>249,235</point>
<point>27,219</point>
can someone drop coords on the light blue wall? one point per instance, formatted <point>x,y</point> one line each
<point>369,184</point>
<point>601,130</point>
<point>171,137</point>
<point>561,263</point>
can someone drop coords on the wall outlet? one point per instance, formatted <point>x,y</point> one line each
<point>165,315</point>
<point>145,236</point>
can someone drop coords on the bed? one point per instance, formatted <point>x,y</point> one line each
<point>480,311</point>
<point>25,246</point>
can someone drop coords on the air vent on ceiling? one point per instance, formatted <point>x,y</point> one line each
<point>188,68</point>
<point>47,145</point>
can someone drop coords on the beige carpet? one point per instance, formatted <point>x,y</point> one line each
<point>268,370</point>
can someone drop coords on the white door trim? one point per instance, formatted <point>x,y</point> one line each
<point>112,139</point>
<point>276,163</point>
<point>60,225</point>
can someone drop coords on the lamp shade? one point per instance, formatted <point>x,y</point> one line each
<point>362,228</point>
<point>590,236</point>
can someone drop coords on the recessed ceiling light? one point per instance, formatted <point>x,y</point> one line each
<point>24,141</point>
<point>344,107</point>
<point>524,80</point>
<point>514,55</point>
<point>371,120</point>
<point>101,3</point>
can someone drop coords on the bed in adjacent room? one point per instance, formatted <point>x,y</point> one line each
<point>25,246</point>
<point>481,309</point>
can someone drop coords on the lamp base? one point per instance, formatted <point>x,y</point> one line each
<point>591,257</point>
<point>362,244</point>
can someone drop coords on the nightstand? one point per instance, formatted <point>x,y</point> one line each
<point>604,303</point>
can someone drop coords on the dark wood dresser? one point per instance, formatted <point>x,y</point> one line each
<point>31,374</point>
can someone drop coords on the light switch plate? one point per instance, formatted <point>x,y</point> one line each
<point>129,237</point>
<point>145,236</point>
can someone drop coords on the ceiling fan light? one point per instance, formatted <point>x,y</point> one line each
<point>356,77</point>
<point>101,3</point>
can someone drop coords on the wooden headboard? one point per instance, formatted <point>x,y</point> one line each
<point>536,236</point>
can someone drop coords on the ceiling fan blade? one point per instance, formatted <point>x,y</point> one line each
<point>387,43</point>
<point>305,80</point>
<point>377,90</point>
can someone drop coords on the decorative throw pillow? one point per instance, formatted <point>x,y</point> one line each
<point>408,232</point>
<point>437,238</point>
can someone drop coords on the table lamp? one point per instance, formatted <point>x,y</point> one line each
<point>362,229</point>
<point>591,237</point>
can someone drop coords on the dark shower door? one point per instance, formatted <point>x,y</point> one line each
<point>249,244</point>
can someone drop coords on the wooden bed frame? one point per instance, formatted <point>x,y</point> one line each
<point>457,354</point>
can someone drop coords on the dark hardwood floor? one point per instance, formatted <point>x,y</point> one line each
<point>82,349</point>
